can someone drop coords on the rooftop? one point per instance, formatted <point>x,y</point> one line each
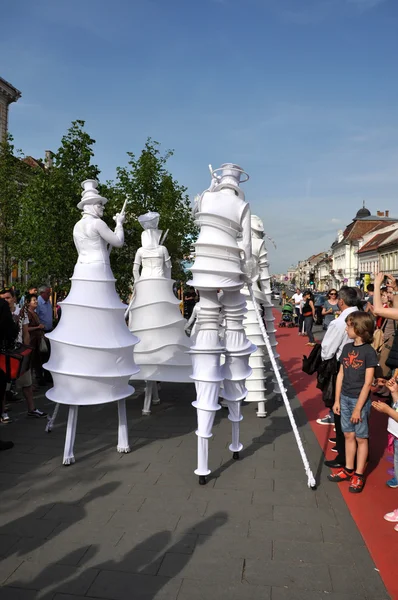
<point>375,242</point>
<point>9,90</point>
<point>358,227</point>
<point>363,212</point>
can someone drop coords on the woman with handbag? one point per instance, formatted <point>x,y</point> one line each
<point>37,341</point>
<point>390,360</point>
<point>330,308</point>
<point>8,335</point>
<point>308,312</point>
<point>382,343</point>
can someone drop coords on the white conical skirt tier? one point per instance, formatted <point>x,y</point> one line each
<point>156,319</point>
<point>255,383</point>
<point>92,357</point>
<point>271,331</point>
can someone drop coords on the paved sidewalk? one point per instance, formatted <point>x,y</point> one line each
<point>139,527</point>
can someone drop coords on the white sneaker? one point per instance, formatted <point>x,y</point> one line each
<point>392,516</point>
<point>36,413</point>
<point>325,420</point>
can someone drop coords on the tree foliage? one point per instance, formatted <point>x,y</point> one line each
<point>48,210</point>
<point>149,186</point>
<point>13,176</point>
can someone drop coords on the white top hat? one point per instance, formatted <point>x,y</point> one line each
<point>232,171</point>
<point>230,176</point>
<point>257,224</point>
<point>90,194</point>
<point>150,220</point>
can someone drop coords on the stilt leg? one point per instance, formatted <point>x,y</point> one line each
<point>69,457</point>
<point>123,435</point>
<point>236,368</point>
<point>146,409</point>
<point>155,393</point>
<point>207,376</point>
<point>235,417</point>
<point>51,420</point>
<point>203,460</point>
<point>261,412</point>
<point>205,424</point>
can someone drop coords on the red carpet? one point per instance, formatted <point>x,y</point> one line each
<point>366,508</point>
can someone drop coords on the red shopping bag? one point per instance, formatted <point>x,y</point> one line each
<point>16,362</point>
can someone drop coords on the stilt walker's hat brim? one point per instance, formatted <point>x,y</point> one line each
<point>90,194</point>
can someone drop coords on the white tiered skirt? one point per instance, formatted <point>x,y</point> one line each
<point>156,319</point>
<point>92,356</point>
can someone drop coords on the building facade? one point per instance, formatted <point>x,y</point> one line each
<point>388,254</point>
<point>345,249</point>
<point>377,252</point>
<point>323,278</point>
<point>8,94</point>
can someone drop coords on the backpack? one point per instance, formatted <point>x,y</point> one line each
<point>311,363</point>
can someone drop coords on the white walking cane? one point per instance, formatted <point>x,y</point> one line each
<point>307,468</point>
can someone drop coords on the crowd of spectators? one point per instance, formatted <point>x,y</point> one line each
<point>23,323</point>
<point>358,358</point>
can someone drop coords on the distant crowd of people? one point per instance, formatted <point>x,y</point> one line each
<point>23,323</point>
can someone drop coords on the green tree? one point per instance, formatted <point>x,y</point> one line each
<point>14,175</point>
<point>149,186</point>
<point>48,210</point>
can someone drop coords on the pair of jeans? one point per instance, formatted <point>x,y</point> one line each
<point>347,406</point>
<point>308,323</point>
<point>297,317</point>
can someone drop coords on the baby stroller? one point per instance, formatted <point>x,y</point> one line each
<point>287,316</point>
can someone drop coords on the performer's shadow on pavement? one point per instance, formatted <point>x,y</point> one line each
<point>22,526</point>
<point>115,578</point>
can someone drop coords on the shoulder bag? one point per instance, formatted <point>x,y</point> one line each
<point>14,363</point>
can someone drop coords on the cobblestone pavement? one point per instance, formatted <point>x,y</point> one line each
<point>138,526</point>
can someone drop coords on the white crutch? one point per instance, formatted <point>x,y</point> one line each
<point>311,478</point>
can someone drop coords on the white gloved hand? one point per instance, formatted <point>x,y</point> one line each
<point>119,218</point>
<point>250,270</point>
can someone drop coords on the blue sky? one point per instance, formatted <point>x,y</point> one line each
<point>301,93</point>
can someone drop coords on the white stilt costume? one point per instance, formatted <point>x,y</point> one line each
<point>265,285</point>
<point>91,348</point>
<point>223,215</point>
<point>154,315</point>
<point>256,383</point>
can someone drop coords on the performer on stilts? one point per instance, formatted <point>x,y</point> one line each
<point>154,315</point>
<point>256,383</point>
<point>220,264</point>
<point>91,348</point>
